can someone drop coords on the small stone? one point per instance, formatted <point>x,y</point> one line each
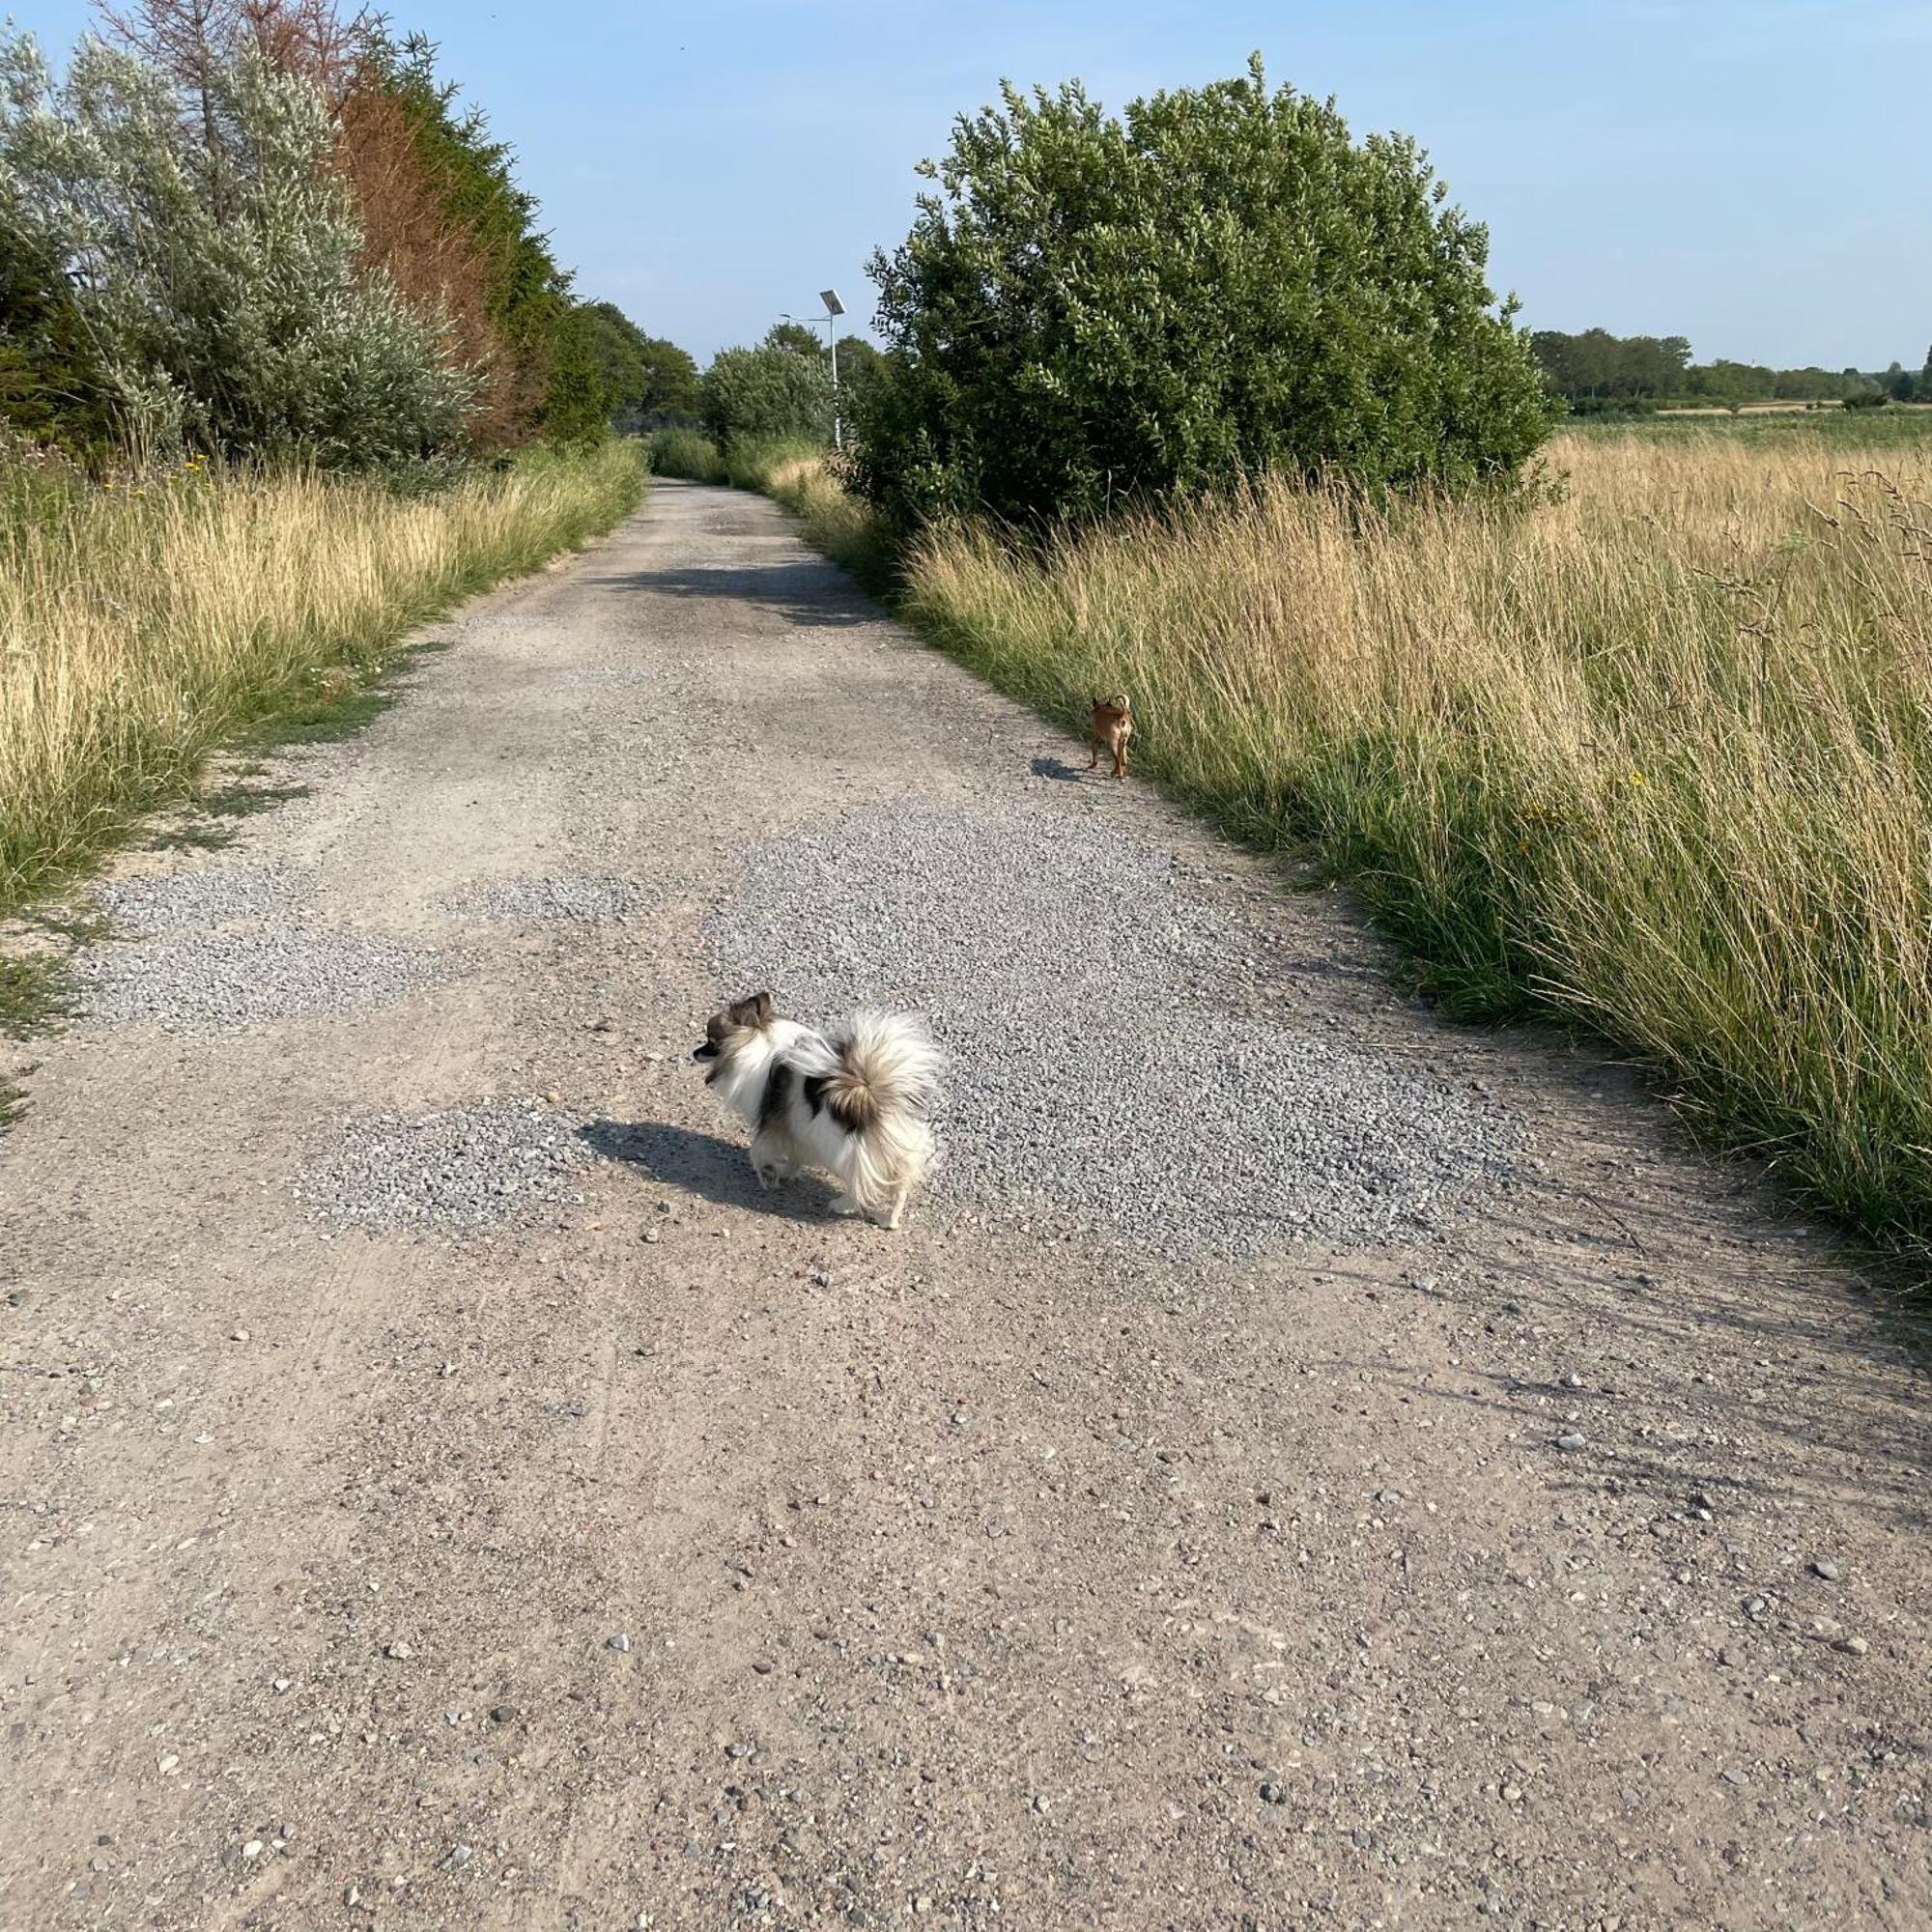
<point>1274,1792</point>
<point>503,1714</point>
<point>167,1764</point>
<point>739,1748</point>
<point>1512,1794</point>
<point>1572,1380</point>
<point>1756,1606</point>
<point>1852,1646</point>
<point>239,1335</point>
<point>1570,1441</point>
<point>1824,1567</point>
<point>1733,1775</point>
<point>252,1849</point>
<point>621,1641</point>
<point>552,1098</point>
<point>651,1236</point>
<point>399,1650</point>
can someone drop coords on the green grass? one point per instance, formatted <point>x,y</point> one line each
<point>1905,431</point>
<point>688,453</point>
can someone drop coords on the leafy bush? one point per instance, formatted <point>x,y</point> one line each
<point>217,273</point>
<point>684,452</point>
<point>772,390</point>
<point>1224,282</point>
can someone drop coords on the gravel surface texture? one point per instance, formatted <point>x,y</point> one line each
<point>1078,980</point>
<point>458,1168</point>
<point>164,902</point>
<point>220,979</point>
<point>539,902</point>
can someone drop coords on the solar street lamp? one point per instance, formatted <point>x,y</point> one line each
<point>834,309</point>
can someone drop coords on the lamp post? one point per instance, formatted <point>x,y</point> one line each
<point>834,309</point>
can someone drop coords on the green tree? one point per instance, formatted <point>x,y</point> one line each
<point>795,336</point>
<point>577,408</point>
<point>642,375</point>
<point>217,277</point>
<point>670,380</point>
<point>52,387</point>
<point>767,391</point>
<point>1223,281</point>
<point>527,293</point>
<point>616,345</point>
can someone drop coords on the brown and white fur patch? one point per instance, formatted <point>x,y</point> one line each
<point>856,1104</point>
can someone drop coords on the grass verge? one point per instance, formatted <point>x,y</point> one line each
<point>1657,757</point>
<point>148,624</point>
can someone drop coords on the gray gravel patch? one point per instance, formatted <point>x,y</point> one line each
<point>1084,989</point>
<point>609,677</point>
<point>220,981</point>
<point>540,901</point>
<point>194,901</point>
<point>463,1167</point>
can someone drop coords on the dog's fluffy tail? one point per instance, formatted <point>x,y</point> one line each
<point>884,1065</point>
<point>883,1086</point>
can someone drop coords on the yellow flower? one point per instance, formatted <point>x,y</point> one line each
<point>1636,778</point>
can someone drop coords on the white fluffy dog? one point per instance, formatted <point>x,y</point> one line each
<point>856,1104</point>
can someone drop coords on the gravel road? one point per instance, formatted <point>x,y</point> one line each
<point>1301,1464</point>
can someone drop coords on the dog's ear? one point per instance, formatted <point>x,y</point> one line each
<point>755,1011</point>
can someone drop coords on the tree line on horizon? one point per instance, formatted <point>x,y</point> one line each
<point>1593,371</point>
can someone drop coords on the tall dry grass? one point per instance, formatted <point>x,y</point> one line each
<point>1657,755</point>
<point>141,624</point>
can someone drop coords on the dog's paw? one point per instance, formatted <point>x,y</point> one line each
<point>845,1205</point>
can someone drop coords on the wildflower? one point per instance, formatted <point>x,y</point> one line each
<point>1636,778</point>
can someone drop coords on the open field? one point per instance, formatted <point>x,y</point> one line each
<point>1657,755</point>
<point>146,622</point>
<point>1894,430</point>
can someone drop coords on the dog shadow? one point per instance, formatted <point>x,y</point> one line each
<point>1048,767</point>
<point>717,1170</point>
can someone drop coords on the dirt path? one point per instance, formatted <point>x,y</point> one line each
<point>668,1555</point>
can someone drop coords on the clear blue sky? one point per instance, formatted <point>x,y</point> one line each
<point>1753,174</point>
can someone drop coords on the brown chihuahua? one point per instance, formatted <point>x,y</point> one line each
<point>1113,727</point>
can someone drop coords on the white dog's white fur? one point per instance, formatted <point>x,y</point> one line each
<point>855,1104</point>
